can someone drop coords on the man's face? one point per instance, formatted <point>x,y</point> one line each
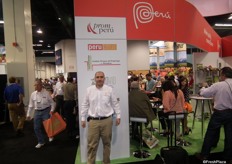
<point>38,86</point>
<point>222,77</point>
<point>99,79</point>
<point>148,78</point>
<point>61,78</point>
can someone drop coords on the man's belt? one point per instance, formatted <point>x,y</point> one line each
<point>222,110</point>
<point>97,118</point>
<point>42,109</point>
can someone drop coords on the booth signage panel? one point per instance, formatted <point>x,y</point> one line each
<point>101,28</point>
<point>107,55</point>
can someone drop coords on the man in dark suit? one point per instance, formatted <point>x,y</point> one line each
<point>139,104</point>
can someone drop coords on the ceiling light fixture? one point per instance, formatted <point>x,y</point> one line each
<point>59,18</point>
<point>47,52</point>
<point>49,45</point>
<point>39,31</point>
<point>230,17</point>
<point>41,41</point>
<point>38,45</point>
<point>224,25</point>
<point>1,21</point>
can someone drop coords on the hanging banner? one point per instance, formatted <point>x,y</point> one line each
<point>181,54</point>
<point>156,20</point>
<point>169,54</point>
<point>156,58</point>
<point>101,46</point>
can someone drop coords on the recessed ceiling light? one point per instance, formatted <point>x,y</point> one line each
<point>59,18</point>
<point>230,17</point>
<point>39,31</point>
<point>47,52</point>
<point>1,22</point>
<point>225,25</point>
<point>38,45</point>
<point>49,45</point>
<point>41,41</point>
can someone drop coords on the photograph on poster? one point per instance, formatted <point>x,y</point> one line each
<point>2,54</point>
<point>169,59</point>
<point>153,61</point>
<point>2,58</point>
<point>182,58</point>
<point>58,57</point>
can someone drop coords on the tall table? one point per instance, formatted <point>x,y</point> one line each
<point>202,100</point>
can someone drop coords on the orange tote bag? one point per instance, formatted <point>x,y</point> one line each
<point>188,107</point>
<point>54,125</point>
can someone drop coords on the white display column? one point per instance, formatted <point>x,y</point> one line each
<point>18,42</point>
<point>101,46</point>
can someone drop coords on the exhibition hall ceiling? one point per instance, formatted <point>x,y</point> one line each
<point>56,19</point>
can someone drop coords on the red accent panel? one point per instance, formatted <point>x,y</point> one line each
<point>168,20</point>
<point>227,46</point>
<point>192,28</point>
<point>100,8</point>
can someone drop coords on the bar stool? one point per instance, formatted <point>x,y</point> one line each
<point>173,116</point>
<point>140,153</point>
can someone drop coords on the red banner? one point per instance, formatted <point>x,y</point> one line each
<point>167,20</point>
<point>226,46</point>
<point>192,28</point>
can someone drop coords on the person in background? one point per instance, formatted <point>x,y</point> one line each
<point>70,96</point>
<point>3,58</point>
<point>43,105</point>
<point>139,105</point>
<point>59,95</point>
<point>173,78</point>
<point>158,76</point>
<point>183,81</point>
<point>176,77</point>
<point>173,100</point>
<point>130,73</point>
<point>150,82</point>
<point>13,95</point>
<point>222,115</point>
<point>190,78</point>
<point>157,88</point>
<point>99,104</point>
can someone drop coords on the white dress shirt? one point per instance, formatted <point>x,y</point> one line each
<point>59,89</point>
<point>99,103</point>
<point>39,101</point>
<point>221,94</point>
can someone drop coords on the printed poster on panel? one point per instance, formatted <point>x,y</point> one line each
<point>101,46</point>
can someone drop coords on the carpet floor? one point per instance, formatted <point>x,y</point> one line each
<point>21,150</point>
<point>63,150</point>
<point>195,138</point>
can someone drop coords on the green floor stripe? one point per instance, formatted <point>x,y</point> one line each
<point>195,138</point>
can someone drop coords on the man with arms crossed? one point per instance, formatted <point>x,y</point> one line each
<point>99,105</point>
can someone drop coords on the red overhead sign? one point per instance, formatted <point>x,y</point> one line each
<point>168,20</point>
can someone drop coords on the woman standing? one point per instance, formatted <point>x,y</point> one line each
<point>185,89</point>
